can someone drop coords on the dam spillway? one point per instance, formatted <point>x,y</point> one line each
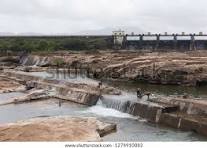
<point>177,42</point>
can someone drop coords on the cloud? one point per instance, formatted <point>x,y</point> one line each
<point>68,16</point>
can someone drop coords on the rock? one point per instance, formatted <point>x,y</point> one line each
<point>178,68</point>
<point>171,120</point>
<point>27,69</point>
<point>34,61</point>
<point>185,96</point>
<point>111,90</point>
<point>8,85</point>
<point>105,129</point>
<point>28,96</point>
<point>80,93</point>
<point>56,129</point>
<point>30,85</point>
<point>161,68</point>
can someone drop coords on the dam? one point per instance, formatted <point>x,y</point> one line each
<point>161,42</point>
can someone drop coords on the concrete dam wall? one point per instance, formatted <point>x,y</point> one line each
<point>165,42</point>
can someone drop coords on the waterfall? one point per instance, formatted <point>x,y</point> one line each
<point>141,108</point>
<point>34,61</point>
<point>101,110</point>
<point>123,105</point>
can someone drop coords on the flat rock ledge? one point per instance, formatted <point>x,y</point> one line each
<point>7,85</point>
<point>56,129</point>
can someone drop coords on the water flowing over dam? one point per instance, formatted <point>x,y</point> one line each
<point>129,127</point>
<point>109,106</point>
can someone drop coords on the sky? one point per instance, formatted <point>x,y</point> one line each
<point>92,16</point>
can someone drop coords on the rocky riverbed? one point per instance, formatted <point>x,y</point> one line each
<point>187,68</point>
<point>40,77</point>
<point>8,85</point>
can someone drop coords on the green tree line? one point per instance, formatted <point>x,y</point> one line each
<point>52,44</point>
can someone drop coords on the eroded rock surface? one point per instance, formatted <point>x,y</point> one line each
<point>188,68</point>
<point>8,85</point>
<point>31,95</point>
<point>56,129</point>
<point>79,93</point>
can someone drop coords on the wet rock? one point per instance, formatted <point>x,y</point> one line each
<point>203,129</point>
<point>111,90</point>
<point>27,69</point>
<point>30,68</point>
<point>171,120</point>
<point>30,85</point>
<point>105,129</point>
<point>186,96</point>
<point>79,93</point>
<point>34,61</point>
<point>31,95</point>
<point>77,96</point>
<point>194,123</point>
<point>189,124</point>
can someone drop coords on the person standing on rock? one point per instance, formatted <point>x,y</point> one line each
<point>140,94</point>
<point>60,103</point>
<point>100,84</point>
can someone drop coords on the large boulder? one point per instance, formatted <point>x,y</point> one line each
<point>56,129</point>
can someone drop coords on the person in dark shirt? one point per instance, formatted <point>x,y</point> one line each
<point>140,94</point>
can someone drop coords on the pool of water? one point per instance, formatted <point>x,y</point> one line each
<point>66,77</point>
<point>168,90</point>
<point>129,128</point>
<point>5,97</point>
<point>129,88</point>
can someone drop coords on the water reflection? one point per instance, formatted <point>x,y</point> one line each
<point>161,89</point>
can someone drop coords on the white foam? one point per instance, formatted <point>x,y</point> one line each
<point>100,110</point>
<point>107,112</point>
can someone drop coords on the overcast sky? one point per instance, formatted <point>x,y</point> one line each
<point>71,16</point>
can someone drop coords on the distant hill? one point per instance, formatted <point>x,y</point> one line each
<point>108,31</point>
<point>20,34</point>
<point>6,34</point>
<point>104,31</point>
